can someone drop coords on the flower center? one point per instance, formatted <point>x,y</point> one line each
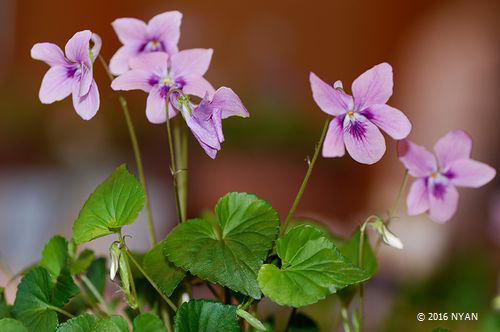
<point>351,114</point>
<point>166,81</point>
<point>153,46</point>
<point>434,175</point>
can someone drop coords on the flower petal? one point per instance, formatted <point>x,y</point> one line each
<point>130,30</point>
<point>57,84</point>
<point>418,197</point>
<point>363,140</point>
<point>455,145</point>
<point>470,173</point>
<point>229,103</point>
<point>133,80</point>
<point>331,100</point>
<point>77,48</point>
<point>49,53</point>
<point>154,62</point>
<point>418,161</point>
<point>389,119</point>
<point>167,28</point>
<point>156,106</point>
<point>96,48</point>
<point>85,80</point>
<point>372,87</point>
<point>88,105</point>
<point>197,86</point>
<point>193,62</point>
<point>119,62</point>
<point>334,140</point>
<point>444,204</point>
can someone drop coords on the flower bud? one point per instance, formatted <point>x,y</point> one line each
<point>387,236</point>
<point>114,252</point>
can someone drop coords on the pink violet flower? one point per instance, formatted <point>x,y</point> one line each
<point>156,74</point>
<point>161,34</point>
<point>437,177</point>
<point>359,117</point>
<point>71,74</point>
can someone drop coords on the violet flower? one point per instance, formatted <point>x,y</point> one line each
<point>156,74</point>
<point>161,34</point>
<point>71,74</point>
<point>357,117</point>
<point>437,176</point>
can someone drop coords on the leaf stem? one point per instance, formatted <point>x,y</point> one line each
<point>173,164</point>
<point>97,295</point>
<point>360,263</point>
<point>181,145</point>
<point>306,179</point>
<point>137,154</point>
<point>289,323</point>
<point>61,311</point>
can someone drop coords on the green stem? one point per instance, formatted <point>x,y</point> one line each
<point>360,263</point>
<point>125,253</point>
<point>137,154</point>
<point>289,323</point>
<point>344,314</point>
<point>166,317</point>
<point>96,294</point>
<point>173,163</point>
<point>181,152</point>
<point>61,311</point>
<point>306,179</point>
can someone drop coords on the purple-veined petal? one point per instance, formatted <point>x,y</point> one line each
<point>470,173</point>
<point>418,197</point>
<point>206,134</point>
<point>229,103</point>
<point>154,62</point>
<point>372,87</point>
<point>197,86</point>
<point>331,101</point>
<point>443,202</point>
<point>77,48</point>
<point>85,80</point>
<point>363,140</point>
<point>130,30</point>
<point>49,53</point>
<point>389,119</point>
<point>217,120</point>
<point>193,62</point>
<point>334,140</point>
<point>96,48</point>
<point>167,28</point>
<point>418,161</point>
<point>119,62</point>
<point>156,106</point>
<point>455,145</point>
<point>57,84</point>
<point>88,105</point>
<point>133,80</point>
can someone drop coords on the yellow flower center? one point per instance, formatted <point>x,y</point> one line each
<point>434,175</point>
<point>166,81</point>
<point>351,114</point>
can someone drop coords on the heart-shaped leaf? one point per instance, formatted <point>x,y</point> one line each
<point>350,249</point>
<point>82,263</point>
<point>115,203</point>
<point>229,249</point>
<point>165,274</point>
<point>312,268</point>
<point>12,325</point>
<point>148,322</point>
<point>85,322</point>
<point>55,255</point>
<point>194,316</point>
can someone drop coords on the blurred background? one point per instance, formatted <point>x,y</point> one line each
<point>446,61</point>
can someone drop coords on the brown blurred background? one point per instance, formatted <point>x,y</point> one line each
<point>446,61</point>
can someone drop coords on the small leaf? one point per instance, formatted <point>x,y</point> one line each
<point>4,307</point>
<point>83,323</point>
<point>148,322</point>
<point>111,324</point>
<point>251,319</point>
<point>82,263</point>
<point>165,274</point>
<point>194,316</point>
<point>55,255</point>
<point>12,325</point>
<point>64,289</point>
<point>312,268</point>
<point>115,203</point>
<point>229,249</point>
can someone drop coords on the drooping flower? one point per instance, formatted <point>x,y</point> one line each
<point>387,236</point>
<point>156,74</point>
<point>161,34</point>
<point>71,74</point>
<point>205,120</point>
<point>437,177</point>
<point>359,117</point>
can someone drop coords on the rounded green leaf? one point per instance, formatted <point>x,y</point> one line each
<point>311,269</point>
<point>83,323</point>
<point>12,325</point>
<point>54,255</point>
<point>148,322</point>
<point>350,249</point>
<point>82,263</point>
<point>194,316</point>
<point>115,203</point>
<point>165,274</point>
<point>229,249</point>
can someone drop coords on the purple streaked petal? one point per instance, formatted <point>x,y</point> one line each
<point>418,197</point>
<point>331,101</point>
<point>130,30</point>
<point>217,120</point>
<point>418,161</point>
<point>193,62</point>
<point>77,48</point>
<point>206,134</point>
<point>334,140</point>
<point>166,27</point>
<point>372,87</point>
<point>156,106</point>
<point>133,80</point>
<point>389,119</point>
<point>363,140</point>
<point>49,53</point>
<point>197,86</point>
<point>119,62</point>
<point>85,80</point>
<point>96,48</point>
<point>443,202</point>
<point>155,62</point>
<point>470,173</point>
<point>88,105</point>
<point>57,84</point>
<point>229,103</point>
<point>455,145</point>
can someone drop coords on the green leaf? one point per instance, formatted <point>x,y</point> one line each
<point>148,322</point>
<point>229,249</point>
<point>312,268</point>
<point>115,203</point>
<point>37,295</point>
<point>55,255</point>
<point>4,307</point>
<point>83,323</point>
<point>194,316</point>
<point>251,319</point>
<point>165,274</point>
<point>440,329</point>
<point>82,263</point>
<point>12,325</point>
<point>97,275</point>
<point>350,249</point>
<point>111,324</point>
